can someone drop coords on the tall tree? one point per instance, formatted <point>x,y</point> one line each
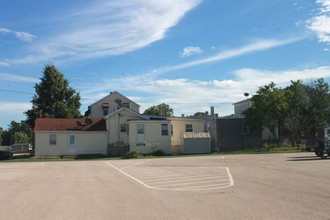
<point>54,97</point>
<point>295,119</point>
<point>161,110</point>
<point>267,110</point>
<point>318,106</point>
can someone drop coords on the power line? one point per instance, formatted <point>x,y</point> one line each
<point>29,93</point>
<point>15,91</point>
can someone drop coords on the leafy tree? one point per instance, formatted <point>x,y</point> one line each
<point>54,97</point>
<point>295,119</point>
<point>1,133</point>
<point>161,110</point>
<point>318,106</point>
<point>267,110</point>
<point>201,113</point>
<point>21,138</point>
<point>15,127</point>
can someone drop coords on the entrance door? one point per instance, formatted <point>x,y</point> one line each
<point>140,134</point>
<point>72,144</point>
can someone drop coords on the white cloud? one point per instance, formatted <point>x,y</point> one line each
<point>320,24</point>
<point>15,78</point>
<point>12,111</point>
<point>188,51</point>
<point>259,45</point>
<point>109,28</point>
<point>23,36</point>
<point>188,96</point>
<point>14,106</point>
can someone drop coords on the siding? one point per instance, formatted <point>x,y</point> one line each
<point>86,143</point>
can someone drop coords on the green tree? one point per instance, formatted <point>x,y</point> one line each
<point>161,110</point>
<point>1,135</point>
<point>20,138</point>
<point>201,113</point>
<point>54,97</point>
<point>13,128</point>
<point>295,118</point>
<point>267,110</point>
<point>318,106</point>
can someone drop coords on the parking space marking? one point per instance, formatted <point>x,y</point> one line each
<point>184,178</point>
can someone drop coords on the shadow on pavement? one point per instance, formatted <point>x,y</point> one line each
<point>306,158</point>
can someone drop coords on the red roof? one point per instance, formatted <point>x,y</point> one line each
<point>67,124</point>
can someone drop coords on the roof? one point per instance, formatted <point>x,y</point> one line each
<point>111,94</point>
<point>124,109</point>
<point>195,135</point>
<point>242,101</point>
<point>69,124</point>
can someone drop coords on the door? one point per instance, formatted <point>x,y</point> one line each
<point>140,135</point>
<point>72,144</point>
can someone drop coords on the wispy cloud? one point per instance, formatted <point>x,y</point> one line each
<point>199,95</point>
<point>188,51</point>
<point>109,28</point>
<point>320,23</point>
<point>259,45</point>
<point>17,78</point>
<point>23,36</point>
<point>14,107</point>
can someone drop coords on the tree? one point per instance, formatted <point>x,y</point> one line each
<point>20,138</point>
<point>16,129</point>
<point>201,113</point>
<point>161,110</point>
<point>1,133</point>
<point>54,97</point>
<point>267,110</point>
<point>295,119</point>
<point>318,106</point>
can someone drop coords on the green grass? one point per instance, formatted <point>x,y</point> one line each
<point>264,150</point>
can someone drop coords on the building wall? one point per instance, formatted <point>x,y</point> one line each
<point>113,125</point>
<point>153,136</point>
<point>231,137</point>
<point>97,110</point>
<point>179,126</point>
<point>86,143</point>
<point>241,106</point>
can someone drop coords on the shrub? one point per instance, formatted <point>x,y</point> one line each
<point>132,154</point>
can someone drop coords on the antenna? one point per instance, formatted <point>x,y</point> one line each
<point>88,121</point>
<point>78,123</point>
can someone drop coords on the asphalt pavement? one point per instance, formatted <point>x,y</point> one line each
<point>271,186</point>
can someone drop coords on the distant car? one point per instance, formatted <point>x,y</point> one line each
<point>5,154</point>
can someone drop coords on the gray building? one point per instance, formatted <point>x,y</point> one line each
<point>233,133</point>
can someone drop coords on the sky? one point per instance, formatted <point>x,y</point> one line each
<point>189,54</point>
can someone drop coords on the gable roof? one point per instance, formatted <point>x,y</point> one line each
<point>69,124</point>
<point>111,94</point>
<point>124,109</point>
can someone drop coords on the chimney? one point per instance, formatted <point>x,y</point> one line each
<point>212,110</point>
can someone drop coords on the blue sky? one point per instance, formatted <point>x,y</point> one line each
<point>190,54</point>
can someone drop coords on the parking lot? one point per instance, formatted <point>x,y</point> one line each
<point>272,186</point>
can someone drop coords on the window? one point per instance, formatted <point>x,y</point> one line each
<point>140,128</point>
<point>52,139</point>
<point>245,128</point>
<point>123,127</point>
<point>164,129</point>
<point>171,130</point>
<point>105,107</point>
<point>189,128</point>
<point>105,112</point>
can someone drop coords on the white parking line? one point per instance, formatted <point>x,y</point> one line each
<point>164,177</point>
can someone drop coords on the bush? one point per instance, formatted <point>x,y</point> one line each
<point>132,154</point>
<point>158,153</point>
